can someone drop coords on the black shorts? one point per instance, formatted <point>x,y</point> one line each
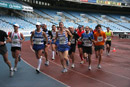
<point>13,49</point>
<point>108,42</point>
<point>72,48</point>
<point>80,46</point>
<point>3,49</point>
<point>87,50</point>
<point>99,47</point>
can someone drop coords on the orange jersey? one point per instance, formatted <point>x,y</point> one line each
<point>99,38</point>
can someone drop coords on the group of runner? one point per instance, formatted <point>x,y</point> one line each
<point>63,42</point>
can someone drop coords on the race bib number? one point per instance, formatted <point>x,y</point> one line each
<point>15,42</point>
<point>108,38</point>
<point>100,39</point>
<point>38,42</point>
<point>62,40</point>
<point>73,41</point>
<point>87,42</point>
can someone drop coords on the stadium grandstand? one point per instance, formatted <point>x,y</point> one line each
<point>72,12</point>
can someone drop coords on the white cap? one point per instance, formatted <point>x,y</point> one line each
<point>16,25</point>
<point>38,23</point>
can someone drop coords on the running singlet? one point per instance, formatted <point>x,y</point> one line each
<point>99,37</point>
<point>87,39</point>
<point>38,38</point>
<point>108,34</point>
<point>80,34</point>
<point>62,38</point>
<point>15,37</point>
<point>53,34</point>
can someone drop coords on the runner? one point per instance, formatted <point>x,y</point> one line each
<point>52,43</point>
<point>3,50</point>
<point>100,38</point>
<point>80,31</point>
<point>87,39</point>
<point>38,43</point>
<point>109,35</point>
<point>49,36</point>
<point>73,45</point>
<point>17,39</point>
<point>63,46</point>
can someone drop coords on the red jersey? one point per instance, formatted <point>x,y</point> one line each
<point>80,34</point>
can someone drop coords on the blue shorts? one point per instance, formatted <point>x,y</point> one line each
<point>38,47</point>
<point>57,42</point>
<point>53,42</point>
<point>63,48</point>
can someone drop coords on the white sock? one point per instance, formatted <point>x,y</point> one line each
<point>53,54</point>
<point>39,63</point>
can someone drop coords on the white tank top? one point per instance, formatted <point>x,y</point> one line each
<point>16,37</point>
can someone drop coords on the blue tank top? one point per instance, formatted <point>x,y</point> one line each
<point>62,38</point>
<point>38,38</point>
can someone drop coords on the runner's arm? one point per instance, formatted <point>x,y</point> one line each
<point>44,34</point>
<point>23,38</point>
<point>31,40</point>
<point>71,36</point>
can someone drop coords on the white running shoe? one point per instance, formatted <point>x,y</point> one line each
<point>99,66</point>
<point>53,58</point>
<point>47,63</point>
<point>11,72</point>
<point>82,62</point>
<point>15,69</point>
<point>89,68</point>
<point>64,70</point>
<point>38,71</point>
<point>72,65</point>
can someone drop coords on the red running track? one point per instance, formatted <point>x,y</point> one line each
<point>115,70</point>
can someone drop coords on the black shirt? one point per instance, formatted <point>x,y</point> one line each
<point>75,37</point>
<point>3,35</point>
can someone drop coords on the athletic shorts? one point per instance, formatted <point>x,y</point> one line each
<point>72,48</point>
<point>108,42</point>
<point>38,47</point>
<point>3,49</point>
<point>87,50</point>
<point>63,48</point>
<point>99,47</point>
<point>13,49</point>
<point>53,42</point>
<point>80,46</point>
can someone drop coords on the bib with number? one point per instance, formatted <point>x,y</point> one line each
<point>108,38</point>
<point>62,40</point>
<point>87,42</point>
<point>100,38</point>
<point>73,41</point>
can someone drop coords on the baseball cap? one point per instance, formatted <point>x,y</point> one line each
<point>38,23</point>
<point>16,25</point>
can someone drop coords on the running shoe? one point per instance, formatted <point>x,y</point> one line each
<point>38,71</point>
<point>53,58</point>
<point>72,65</point>
<point>89,68</point>
<point>82,62</point>
<point>47,63</point>
<point>15,69</point>
<point>64,70</point>
<point>99,66</point>
<point>11,72</point>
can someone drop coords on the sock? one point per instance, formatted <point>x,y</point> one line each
<point>81,56</point>
<point>53,54</point>
<point>39,63</point>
